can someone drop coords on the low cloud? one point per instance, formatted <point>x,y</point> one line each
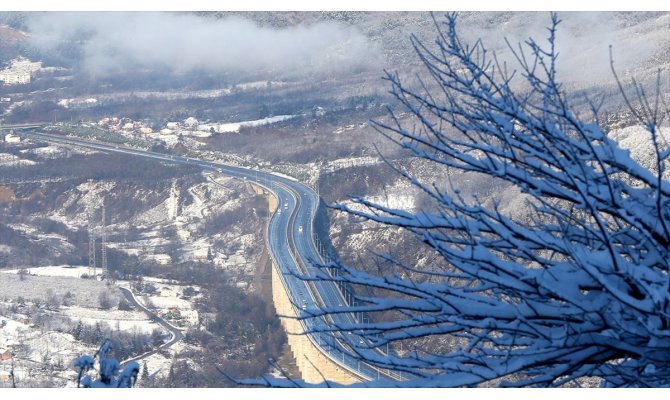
<point>118,42</point>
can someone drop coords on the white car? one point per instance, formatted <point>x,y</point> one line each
<point>300,229</point>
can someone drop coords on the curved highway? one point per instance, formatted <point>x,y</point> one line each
<point>290,239</point>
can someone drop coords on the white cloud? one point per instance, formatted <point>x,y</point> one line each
<point>113,42</point>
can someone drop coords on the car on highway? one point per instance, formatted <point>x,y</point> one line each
<point>285,206</point>
<point>300,229</point>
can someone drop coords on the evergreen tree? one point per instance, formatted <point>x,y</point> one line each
<point>145,371</point>
<point>76,332</point>
<point>99,336</point>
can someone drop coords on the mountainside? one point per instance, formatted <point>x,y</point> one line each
<point>295,93</point>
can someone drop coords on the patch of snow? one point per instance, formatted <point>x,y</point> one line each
<point>169,302</point>
<point>54,270</point>
<point>9,335</point>
<point>86,291</point>
<point>235,126</point>
<point>258,85</point>
<point>638,140</point>
<point>351,162</point>
<point>48,152</point>
<point>123,320</point>
<point>88,195</point>
<point>10,160</point>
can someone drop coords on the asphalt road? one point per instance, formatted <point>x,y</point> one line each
<point>291,241</point>
<point>176,333</point>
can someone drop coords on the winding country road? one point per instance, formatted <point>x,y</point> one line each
<point>176,333</point>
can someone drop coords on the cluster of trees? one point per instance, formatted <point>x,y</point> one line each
<point>355,181</point>
<point>236,344</point>
<point>128,343</point>
<point>242,333</point>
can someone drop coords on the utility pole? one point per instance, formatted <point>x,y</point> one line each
<point>11,373</point>
<point>103,249</point>
<point>91,251</point>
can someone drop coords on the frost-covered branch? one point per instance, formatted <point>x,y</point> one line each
<point>108,370</point>
<point>580,287</point>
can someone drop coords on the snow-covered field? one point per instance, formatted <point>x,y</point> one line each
<point>169,302</point>
<point>71,271</point>
<point>235,126</point>
<point>127,321</point>
<point>40,287</point>
<point>41,347</point>
<point>40,336</point>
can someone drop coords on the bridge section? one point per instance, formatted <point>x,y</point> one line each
<point>314,365</point>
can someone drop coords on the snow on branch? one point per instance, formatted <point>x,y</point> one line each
<point>108,370</point>
<point>578,288</point>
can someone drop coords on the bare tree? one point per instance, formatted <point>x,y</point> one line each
<point>105,300</point>
<point>578,287</point>
<point>23,273</point>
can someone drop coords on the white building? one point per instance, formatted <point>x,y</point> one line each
<point>12,138</point>
<point>25,64</point>
<point>12,77</point>
<point>20,71</point>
